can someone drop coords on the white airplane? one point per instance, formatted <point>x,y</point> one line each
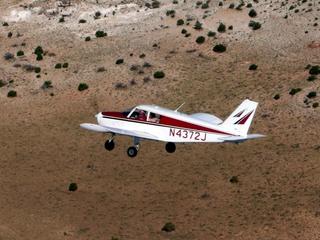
<point>157,123</point>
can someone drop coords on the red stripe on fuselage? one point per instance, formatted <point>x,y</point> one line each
<point>165,122</point>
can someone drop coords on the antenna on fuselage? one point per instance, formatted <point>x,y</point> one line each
<point>179,107</point>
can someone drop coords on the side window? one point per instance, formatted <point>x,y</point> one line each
<point>152,117</point>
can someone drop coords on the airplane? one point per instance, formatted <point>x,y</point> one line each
<point>171,126</point>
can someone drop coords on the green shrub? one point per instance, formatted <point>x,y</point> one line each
<point>58,65</point>
<point>12,93</point>
<point>38,50</point>
<point>61,20</point>
<point>73,187</point>
<point>184,31</point>
<point>10,34</point>
<point>65,65</point>
<point>252,13</point>
<point>180,22</point>
<point>200,39</point>
<point>87,39</point>
<point>253,67</point>
<point>293,91</point>
<point>5,24</point>
<point>119,61</point>
<point>254,25</point>
<point>231,5</point>
<point>47,84</point>
<point>315,105</point>
<point>170,13</point>
<point>219,48</point>
<point>82,87</point>
<point>20,53</point>
<point>312,94</point>
<point>277,96</point>
<point>221,28</point>
<point>234,179</point>
<point>82,21</point>
<point>168,227</point>
<point>37,69</point>
<point>8,56</point>
<point>100,34</point>
<point>314,70</point>
<point>39,57</point>
<point>211,34</point>
<point>142,55</point>
<point>2,83</point>
<point>198,25</point>
<point>311,78</point>
<point>159,74</point>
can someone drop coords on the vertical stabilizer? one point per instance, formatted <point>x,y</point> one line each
<point>240,120</point>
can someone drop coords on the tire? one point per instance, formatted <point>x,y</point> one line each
<point>109,145</point>
<point>170,147</point>
<point>132,152</point>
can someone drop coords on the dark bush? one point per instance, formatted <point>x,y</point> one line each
<point>82,21</point>
<point>252,13</point>
<point>314,70</point>
<point>184,31</point>
<point>253,67</point>
<point>37,69</point>
<point>119,61</point>
<point>294,91</point>
<point>58,65</point>
<point>61,20</point>
<point>10,34</point>
<point>219,48</point>
<point>254,25</point>
<point>87,39</point>
<point>2,83</point>
<point>5,24</point>
<point>73,187</point>
<point>198,25</point>
<point>146,64</point>
<point>312,94</point>
<point>168,227</point>
<point>234,179</point>
<point>180,22</point>
<point>211,34</point>
<point>38,50</point>
<point>277,96</point>
<point>39,57</point>
<point>20,53</point>
<point>12,93</point>
<point>200,39</point>
<point>100,34</point>
<point>311,78</point>
<point>159,74</point>
<point>315,105</point>
<point>82,87</point>
<point>221,28</point>
<point>65,65</point>
<point>142,55</point>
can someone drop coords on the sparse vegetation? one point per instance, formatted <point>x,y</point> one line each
<point>253,67</point>
<point>159,74</point>
<point>221,28</point>
<point>312,94</point>
<point>58,65</point>
<point>168,227</point>
<point>119,61</point>
<point>8,56</point>
<point>252,13</point>
<point>200,39</point>
<point>65,65</point>
<point>20,53</point>
<point>180,22</point>
<point>314,70</point>
<point>82,87</point>
<point>277,96</point>
<point>293,91</point>
<point>198,25</point>
<point>219,48</point>
<point>234,179</point>
<point>12,93</point>
<point>315,104</point>
<point>254,25</point>
<point>73,187</point>
<point>100,34</point>
<point>82,21</point>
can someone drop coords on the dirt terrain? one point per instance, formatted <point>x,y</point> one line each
<point>43,149</point>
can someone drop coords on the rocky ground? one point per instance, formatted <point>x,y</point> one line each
<point>43,149</point>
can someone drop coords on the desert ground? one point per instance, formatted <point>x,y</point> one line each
<point>43,149</point>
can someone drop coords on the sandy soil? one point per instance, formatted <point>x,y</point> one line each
<point>43,149</point>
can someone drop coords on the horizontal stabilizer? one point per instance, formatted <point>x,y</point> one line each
<point>237,139</point>
<point>94,127</point>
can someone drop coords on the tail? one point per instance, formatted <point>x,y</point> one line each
<point>240,120</point>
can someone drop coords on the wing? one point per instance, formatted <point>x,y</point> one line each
<point>133,133</point>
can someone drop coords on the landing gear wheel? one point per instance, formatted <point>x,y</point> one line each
<point>132,152</point>
<point>170,147</point>
<point>109,145</point>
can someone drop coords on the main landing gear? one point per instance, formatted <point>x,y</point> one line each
<point>133,150</point>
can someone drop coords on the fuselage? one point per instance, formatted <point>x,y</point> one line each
<point>170,126</point>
